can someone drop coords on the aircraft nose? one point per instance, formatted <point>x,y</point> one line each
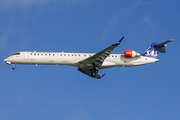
<point>5,60</point>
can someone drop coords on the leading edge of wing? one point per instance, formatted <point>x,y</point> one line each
<point>118,42</point>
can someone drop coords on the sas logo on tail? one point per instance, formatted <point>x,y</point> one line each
<point>152,53</point>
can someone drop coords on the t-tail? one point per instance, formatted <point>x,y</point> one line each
<point>155,48</point>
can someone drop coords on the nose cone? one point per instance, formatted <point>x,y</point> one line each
<point>5,60</point>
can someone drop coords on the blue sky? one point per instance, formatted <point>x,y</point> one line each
<point>61,92</point>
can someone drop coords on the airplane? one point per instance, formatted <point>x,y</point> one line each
<point>90,63</point>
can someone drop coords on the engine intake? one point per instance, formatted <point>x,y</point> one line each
<point>131,54</point>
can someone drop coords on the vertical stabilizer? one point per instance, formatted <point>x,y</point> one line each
<point>155,48</point>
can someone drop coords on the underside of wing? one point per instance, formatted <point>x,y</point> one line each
<point>91,65</point>
<point>98,59</point>
<point>90,73</point>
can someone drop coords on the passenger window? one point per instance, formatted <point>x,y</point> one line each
<point>34,54</point>
<point>41,54</point>
<point>45,54</point>
<point>60,54</point>
<point>64,54</point>
<point>49,54</point>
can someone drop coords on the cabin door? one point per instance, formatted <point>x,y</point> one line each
<point>26,56</point>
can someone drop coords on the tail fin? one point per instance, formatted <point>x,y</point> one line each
<point>155,48</point>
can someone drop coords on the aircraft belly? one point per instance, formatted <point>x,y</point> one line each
<point>107,64</point>
<point>127,62</point>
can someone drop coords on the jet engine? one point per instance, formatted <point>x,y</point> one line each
<point>131,54</point>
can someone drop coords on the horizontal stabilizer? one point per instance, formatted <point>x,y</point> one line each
<point>162,46</point>
<point>163,43</point>
<point>163,50</point>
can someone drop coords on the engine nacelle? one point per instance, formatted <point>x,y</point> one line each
<point>130,54</point>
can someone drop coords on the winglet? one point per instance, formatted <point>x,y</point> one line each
<point>118,42</point>
<point>102,76</point>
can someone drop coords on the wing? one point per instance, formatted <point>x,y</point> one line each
<point>90,73</point>
<point>90,65</point>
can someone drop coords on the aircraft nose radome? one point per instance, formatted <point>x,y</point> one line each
<point>5,60</point>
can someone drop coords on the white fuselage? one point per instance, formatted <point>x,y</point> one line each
<point>73,59</point>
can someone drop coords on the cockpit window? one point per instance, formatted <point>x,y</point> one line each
<point>17,54</point>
